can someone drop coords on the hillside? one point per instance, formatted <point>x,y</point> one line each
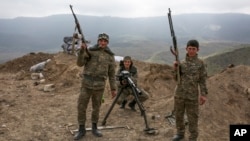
<point>27,113</point>
<point>216,55</point>
<point>217,62</point>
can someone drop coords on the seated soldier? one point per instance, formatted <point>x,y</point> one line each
<point>127,64</point>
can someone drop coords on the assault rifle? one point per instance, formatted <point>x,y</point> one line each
<point>80,32</point>
<point>175,50</point>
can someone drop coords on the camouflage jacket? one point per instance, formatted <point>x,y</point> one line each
<point>100,66</point>
<point>193,78</point>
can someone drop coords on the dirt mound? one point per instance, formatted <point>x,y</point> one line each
<point>228,103</point>
<point>27,113</point>
<point>24,62</point>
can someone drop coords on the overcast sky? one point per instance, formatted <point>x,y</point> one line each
<point>119,8</point>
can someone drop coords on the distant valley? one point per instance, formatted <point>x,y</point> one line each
<point>146,39</point>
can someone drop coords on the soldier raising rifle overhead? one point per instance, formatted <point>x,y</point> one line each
<point>192,78</point>
<point>99,67</point>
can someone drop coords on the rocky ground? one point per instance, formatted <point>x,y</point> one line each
<point>28,113</point>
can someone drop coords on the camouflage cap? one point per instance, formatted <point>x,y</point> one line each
<point>103,36</point>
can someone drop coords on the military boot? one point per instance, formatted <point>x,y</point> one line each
<point>81,132</point>
<point>123,104</point>
<point>95,131</point>
<point>132,105</point>
<point>178,137</point>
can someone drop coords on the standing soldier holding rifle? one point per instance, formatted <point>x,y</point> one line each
<point>191,75</point>
<point>99,65</point>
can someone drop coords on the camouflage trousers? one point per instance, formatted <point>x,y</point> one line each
<point>191,108</point>
<point>83,100</point>
<point>128,91</point>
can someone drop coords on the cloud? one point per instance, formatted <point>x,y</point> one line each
<point>119,8</point>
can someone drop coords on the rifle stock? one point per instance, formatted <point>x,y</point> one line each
<point>174,50</point>
<point>80,32</point>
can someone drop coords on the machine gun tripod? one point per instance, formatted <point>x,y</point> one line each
<point>125,76</point>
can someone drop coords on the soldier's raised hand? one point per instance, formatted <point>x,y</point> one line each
<point>83,46</point>
<point>175,64</point>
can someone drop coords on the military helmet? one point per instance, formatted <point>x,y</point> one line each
<point>103,36</point>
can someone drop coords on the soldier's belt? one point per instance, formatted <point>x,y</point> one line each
<point>93,78</point>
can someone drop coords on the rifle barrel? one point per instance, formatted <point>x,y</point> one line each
<point>175,51</point>
<point>80,31</point>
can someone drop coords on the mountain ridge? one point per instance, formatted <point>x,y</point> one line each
<point>45,34</point>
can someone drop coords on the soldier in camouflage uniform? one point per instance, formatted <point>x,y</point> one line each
<point>187,99</point>
<point>127,64</point>
<point>97,68</point>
